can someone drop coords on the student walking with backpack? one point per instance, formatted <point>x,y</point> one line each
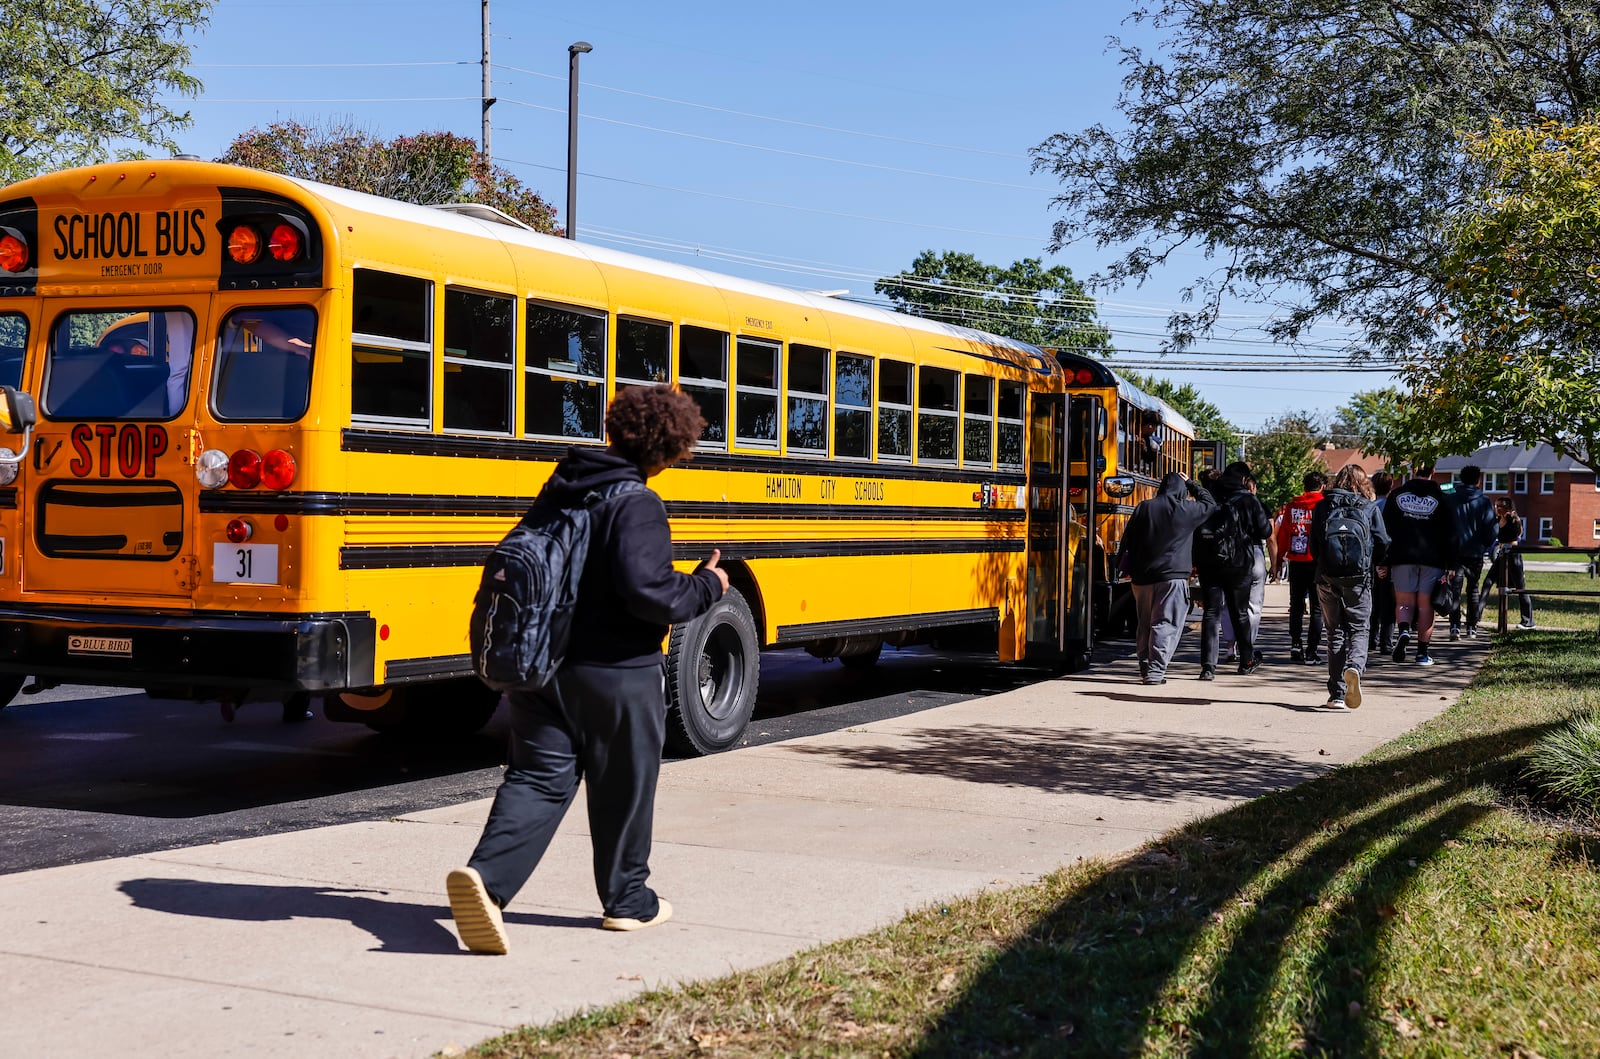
<point>1159,541</point>
<point>601,718</point>
<point>1348,542</point>
<point>1228,554</point>
<point>1294,550</point>
<point>1421,522</point>
<point>1475,532</point>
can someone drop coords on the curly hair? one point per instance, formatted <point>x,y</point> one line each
<point>653,426</point>
<point>1352,478</point>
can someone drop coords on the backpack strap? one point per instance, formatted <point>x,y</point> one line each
<point>614,489</point>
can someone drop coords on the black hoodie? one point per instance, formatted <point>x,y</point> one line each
<point>629,593</point>
<point>1160,534</point>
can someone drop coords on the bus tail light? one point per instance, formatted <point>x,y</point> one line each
<point>1084,377</point>
<point>277,470</point>
<point>244,244</point>
<point>284,245</point>
<point>211,469</point>
<point>13,253</point>
<point>9,468</point>
<point>244,469</point>
<point>239,530</point>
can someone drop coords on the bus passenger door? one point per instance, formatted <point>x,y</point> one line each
<point>1048,515</point>
<point>1087,575</point>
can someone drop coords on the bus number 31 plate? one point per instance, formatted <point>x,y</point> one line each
<point>244,564</point>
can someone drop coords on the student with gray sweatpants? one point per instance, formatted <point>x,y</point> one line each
<point>1159,543</point>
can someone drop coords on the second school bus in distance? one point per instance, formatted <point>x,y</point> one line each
<point>281,424</point>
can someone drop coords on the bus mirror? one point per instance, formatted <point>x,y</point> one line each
<point>19,413</point>
<point>1118,485</point>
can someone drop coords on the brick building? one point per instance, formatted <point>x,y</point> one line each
<point>1557,497</point>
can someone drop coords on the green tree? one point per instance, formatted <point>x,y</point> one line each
<point>429,168</point>
<point>1375,422</point>
<point>1209,422</point>
<point>1026,301</point>
<point>1522,299</point>
<point>78,75</point>
<point>1309,150</point>
<point>1281,455</point>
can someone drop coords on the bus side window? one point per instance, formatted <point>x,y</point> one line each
<point>565,377</point>
<point>391,368</point>
<point>852,416</point>
<point>1008,426</point>
<point>479,357</point>
<point>977,420</point>
<point>894,410</point>
<point>755,395</point>
<point>808,400</point>
<point>936,414</point>
<point>703,375</point>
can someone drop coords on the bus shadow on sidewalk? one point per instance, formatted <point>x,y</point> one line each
<point>398,926</point>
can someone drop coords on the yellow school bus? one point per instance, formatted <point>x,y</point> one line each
<point>1123,441</point>
<point>281,424</point>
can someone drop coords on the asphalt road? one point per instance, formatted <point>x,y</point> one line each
<point>89,773</point>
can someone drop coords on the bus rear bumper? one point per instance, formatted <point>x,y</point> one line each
<point>263,653</point>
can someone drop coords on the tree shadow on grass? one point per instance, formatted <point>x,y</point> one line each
<point>1163,944</point>
<point>398,926</point>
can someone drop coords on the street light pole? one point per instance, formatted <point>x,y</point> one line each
<point>573,51</point>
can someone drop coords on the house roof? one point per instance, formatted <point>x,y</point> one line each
<point>1538,459</point>
<point>1336,459</point>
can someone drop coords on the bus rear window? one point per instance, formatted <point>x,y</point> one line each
<point>13,343</point>
<point>263,368</point>
<point>119,364</point>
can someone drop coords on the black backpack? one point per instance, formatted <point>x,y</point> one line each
<point>1221,544</point>
<point>522,614</point>
<point>1346,541</point>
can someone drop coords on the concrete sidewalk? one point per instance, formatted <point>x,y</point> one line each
<point>337,941</point>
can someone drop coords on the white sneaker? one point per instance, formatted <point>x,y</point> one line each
<point>663,914</point>
<point>1335,704</point>
<point>1352,689</point>
<point>478,918</point>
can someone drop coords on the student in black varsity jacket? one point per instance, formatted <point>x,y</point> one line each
<point>603,717</point>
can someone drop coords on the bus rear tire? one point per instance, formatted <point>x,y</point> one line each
<point>10,685</point>
<point>713,669</point>
<point>444,708</point>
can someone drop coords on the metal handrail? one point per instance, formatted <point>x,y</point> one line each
<point>1504,594</point>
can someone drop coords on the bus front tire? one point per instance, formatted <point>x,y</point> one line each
<point>713,668</point>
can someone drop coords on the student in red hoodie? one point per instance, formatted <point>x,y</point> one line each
<point>1294,550</point>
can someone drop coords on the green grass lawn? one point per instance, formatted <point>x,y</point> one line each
<point>1562,612</point>
<point>1399,905</point>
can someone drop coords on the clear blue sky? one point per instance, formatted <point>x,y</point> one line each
<point>815,145</point>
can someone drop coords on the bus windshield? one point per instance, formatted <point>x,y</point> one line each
<point>263,369</point>
<point>119,364</point>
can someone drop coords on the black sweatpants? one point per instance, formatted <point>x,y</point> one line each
<point>1303,598</point>
<point>602,724</point>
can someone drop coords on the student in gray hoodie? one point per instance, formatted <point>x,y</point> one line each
<point>1159,540</point>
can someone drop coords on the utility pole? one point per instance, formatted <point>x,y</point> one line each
<point>581,47</point>
<point>488,100</point>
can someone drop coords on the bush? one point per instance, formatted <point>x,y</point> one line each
<point>1567,763</point>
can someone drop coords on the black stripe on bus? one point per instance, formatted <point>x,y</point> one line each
<point>407,443</point>
<point>421,556</point>
<point>244,503</point>
<point>85,494</point>
<point>403,669</point>
<point>827,630</point>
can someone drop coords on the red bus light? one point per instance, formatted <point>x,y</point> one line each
<point>244,244</point>
<point>284,244</point>
<point>13,253</point>
<point>239,531</point>
<point>277,470</point>
<point>244,469</point>
<point>1084,376</point>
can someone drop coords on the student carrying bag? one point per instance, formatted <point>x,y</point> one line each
<point>1346,541</point>
<point>522,614</point>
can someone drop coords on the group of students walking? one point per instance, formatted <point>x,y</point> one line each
<point>1364,560</point>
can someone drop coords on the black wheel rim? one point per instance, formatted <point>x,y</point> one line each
<point>720,672</point>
